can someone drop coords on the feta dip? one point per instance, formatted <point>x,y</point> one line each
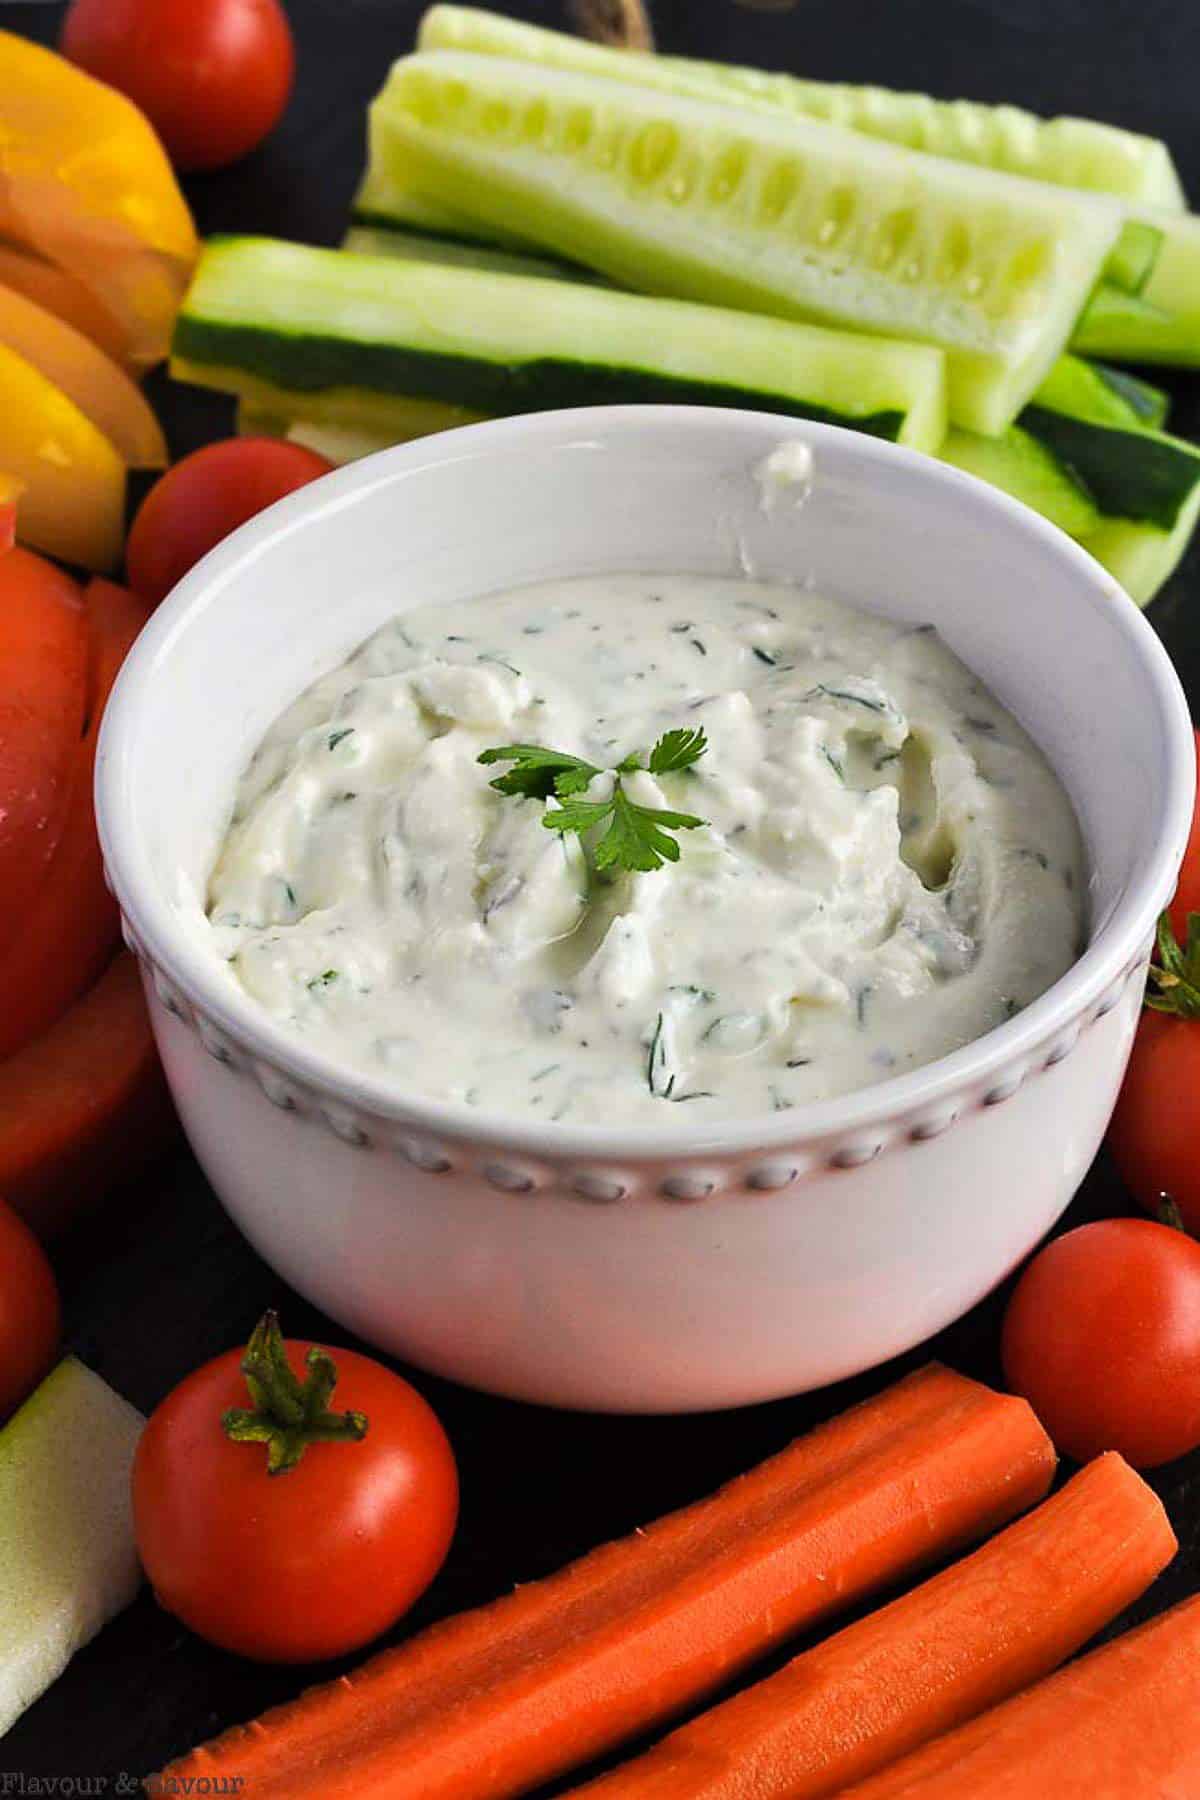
<point>887,866</point>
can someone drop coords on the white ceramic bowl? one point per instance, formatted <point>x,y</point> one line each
<point>628,1269</point>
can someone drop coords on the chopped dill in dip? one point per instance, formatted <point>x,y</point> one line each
<point>879,865</point>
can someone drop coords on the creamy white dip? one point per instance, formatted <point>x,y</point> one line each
<point>889,868</point>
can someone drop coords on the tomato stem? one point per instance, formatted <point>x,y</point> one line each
<point>1174,983</point>
<point>288,1414</point>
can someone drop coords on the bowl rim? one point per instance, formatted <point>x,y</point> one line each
<point>161,938</point>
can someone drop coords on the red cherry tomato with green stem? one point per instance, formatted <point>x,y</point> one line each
<point>29,1312</point>
<point>1102,1337</point>
<point>208,494</point>
<point>283,1529</point>
<point>1155,1131</point>
<point>212,76</point>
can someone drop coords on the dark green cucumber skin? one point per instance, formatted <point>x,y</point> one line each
<point>310,363</point>
<point>371,220</point>
<point>1129,475</point>
<point>379,221</point>
<point>1148,404</point>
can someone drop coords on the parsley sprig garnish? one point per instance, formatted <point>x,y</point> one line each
<point>638,837</point>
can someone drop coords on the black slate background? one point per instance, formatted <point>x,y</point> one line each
<point>162,1281</point>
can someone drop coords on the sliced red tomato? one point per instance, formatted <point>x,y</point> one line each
<point>29,1313</point>
<point>43,693</point>
<point>84,1105</point>
<point>71,925</point>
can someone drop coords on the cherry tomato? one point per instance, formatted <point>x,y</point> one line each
<point>206,496</point>
<point>212,76</point>
<point>320,1556</point>
<point>1187,894</point>
<point>29,1313</point>
<point>1155,1131</point>
<point>1102,1337</point>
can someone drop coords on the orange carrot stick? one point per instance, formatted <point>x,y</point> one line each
<point>1120,1724</point>
<point>43,693</point>
<point>981,1630</point>
<point>71,926</point>
<point>493,1702</point>
<point>82,1106</point>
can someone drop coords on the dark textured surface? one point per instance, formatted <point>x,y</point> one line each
<point>166,1282</point>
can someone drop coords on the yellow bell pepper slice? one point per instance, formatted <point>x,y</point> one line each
<point>92,380</point>
<point>59,293</point>
<point>85,183</point>
<point>73,504</point>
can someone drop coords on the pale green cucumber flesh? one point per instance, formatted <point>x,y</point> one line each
<point>1141,557</point>
<point>1149,405</point>
<point>1089,390</point>
<point>1131,260</point>
<point>312,321</point>
<point>390,196</point>
<point>761,212</point>
<point>1018,465</point>
<point>396,214</point>
<point>67,1556</point>
<point>340,443</point>
<point>1160,323</point>
<point>1067,152</point>
<point>1137,474</point>
<point>1128,328</point>
<point>416,246</point>
<point>394,417</point>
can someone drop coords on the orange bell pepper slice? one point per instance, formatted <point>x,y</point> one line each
<point>73,506</point>
<point>100,389</point>
<point>86,184</point>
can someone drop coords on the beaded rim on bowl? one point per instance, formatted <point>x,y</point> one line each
<point>886,1113</point>
<point>606,1185</point>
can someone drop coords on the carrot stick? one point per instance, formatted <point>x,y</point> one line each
<point>981,1630</point>
<point>82,1106</point>
<point>71,926</point>
<point>1120,1724</point>
<point>491,1703</point>
<point>43,692</point>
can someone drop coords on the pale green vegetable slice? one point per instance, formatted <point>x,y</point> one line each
<point>386,194</point>
<point>769,214</point>
<point>417,246</point>
<point>340,443</point>
<point>1161,322</point>
<point>1069,152</point>
<point>1141,557</point>
<point>385,418</point>
<point>1133,169</point>
<point>1019,465</point>
<point>67,1557</point>
<point>365,333</point>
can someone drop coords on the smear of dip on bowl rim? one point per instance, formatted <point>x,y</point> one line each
<point>887,867</point>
